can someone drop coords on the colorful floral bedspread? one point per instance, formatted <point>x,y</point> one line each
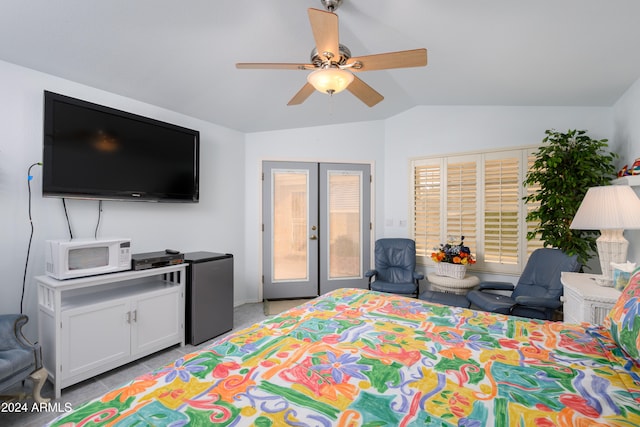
<point>360,358</point>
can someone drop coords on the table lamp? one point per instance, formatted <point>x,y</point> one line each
<point>610,209</point>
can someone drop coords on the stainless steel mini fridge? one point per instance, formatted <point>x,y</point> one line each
<point>209,302</point>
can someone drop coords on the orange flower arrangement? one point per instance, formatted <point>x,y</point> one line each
<point>453,254</point>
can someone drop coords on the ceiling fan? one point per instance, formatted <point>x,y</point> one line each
<point>333,65</point>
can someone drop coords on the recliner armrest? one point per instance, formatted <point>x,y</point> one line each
<point>417,275</point>
<point>11,331</point>
<point>538,302</point>
<point>498,286</point>
<point>370,273</point>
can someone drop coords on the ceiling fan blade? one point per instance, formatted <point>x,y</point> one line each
<point>325,31</point>
<point>274,66</point>
<point>302,95</point>
<point>364,92</point>
<point>385,61</point>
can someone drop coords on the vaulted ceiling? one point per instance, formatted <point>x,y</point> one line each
<point>181,55</point>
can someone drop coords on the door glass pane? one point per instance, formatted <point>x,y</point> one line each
<point>345,224</point>
<point>290,224</point>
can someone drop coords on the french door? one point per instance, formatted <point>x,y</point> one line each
<point>316,227</point>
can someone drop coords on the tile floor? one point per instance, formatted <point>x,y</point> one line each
<point>244,315</point>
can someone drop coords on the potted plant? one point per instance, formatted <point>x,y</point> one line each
<point>452,258</point>
<point>565,166</point>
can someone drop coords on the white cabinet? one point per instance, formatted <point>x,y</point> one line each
<point>93,337</point>
<point>90,325</point>
<point>585,300</point>
<point>631,180</point>
<point>157,318</point>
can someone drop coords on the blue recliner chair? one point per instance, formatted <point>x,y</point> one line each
<point>19,359</point>
<point>537,294</point>
<point>395,260</point>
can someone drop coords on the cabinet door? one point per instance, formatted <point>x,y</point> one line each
<point>573,306</point>
<point>95,336</point>
<point>158,321</point>
<point>211,299</point>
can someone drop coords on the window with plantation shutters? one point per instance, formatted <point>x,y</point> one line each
<point>536,243</point>
<point>426,207</point>
<point>478,196</point>
<point>461,202</point>
<point>501,209</point>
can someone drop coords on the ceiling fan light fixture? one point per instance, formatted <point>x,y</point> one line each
<point>330,80</point>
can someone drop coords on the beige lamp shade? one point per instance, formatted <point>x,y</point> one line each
<point>610,209</point>
<point>330,80</point>
<point>606,208</point>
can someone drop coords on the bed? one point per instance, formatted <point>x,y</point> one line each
<point>360,358</point>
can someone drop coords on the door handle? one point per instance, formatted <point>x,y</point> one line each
<point>313,237</point>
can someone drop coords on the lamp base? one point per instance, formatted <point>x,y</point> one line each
<point>605,283</point>
<point>612,247</point>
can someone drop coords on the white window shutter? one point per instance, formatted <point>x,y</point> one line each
<point>501,209</point>
<point>426,207</point>
<point>462,201</point>
<point>533,244</point>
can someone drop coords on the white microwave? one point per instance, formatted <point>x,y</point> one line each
<point>68,259</point>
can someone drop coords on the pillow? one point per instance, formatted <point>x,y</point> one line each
<point>623,321</point>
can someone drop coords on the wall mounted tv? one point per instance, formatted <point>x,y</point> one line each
<point>96,152</point>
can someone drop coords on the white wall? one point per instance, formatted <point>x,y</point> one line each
<point>228,217</point>
<point>426,131</point>
<point>211,225</point>
<point>420,131</point>
<point>627,134</point>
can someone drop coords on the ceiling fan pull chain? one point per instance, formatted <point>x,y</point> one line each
<point>332,105</point>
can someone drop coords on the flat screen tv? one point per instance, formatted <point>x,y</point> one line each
<point>96,152</point>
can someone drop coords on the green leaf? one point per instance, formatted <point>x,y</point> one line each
<point>565,167</point>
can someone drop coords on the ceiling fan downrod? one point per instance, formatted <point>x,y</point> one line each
<point>331,5</point>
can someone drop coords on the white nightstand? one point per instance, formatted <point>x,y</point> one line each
<point>585,300</point>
